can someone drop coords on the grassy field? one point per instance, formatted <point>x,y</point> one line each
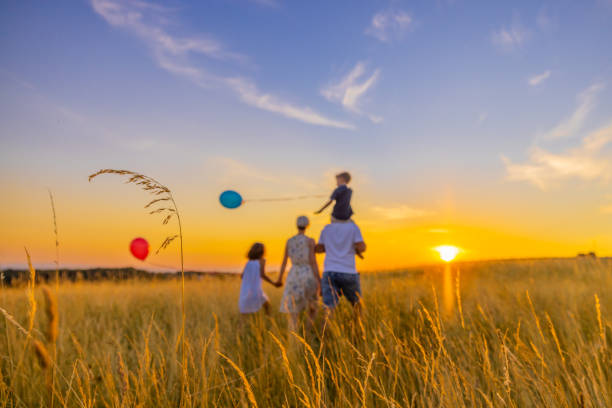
<point>516,334</point>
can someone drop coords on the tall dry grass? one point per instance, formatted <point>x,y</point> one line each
<point>533,334</point>
<point>163,203</point>
<point>55,233</point>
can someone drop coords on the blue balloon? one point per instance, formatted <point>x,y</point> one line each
<point>230,199</point>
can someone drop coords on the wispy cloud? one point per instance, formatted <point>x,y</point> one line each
<point>536,80</point>
<point>236,170</point>
<point>249,93</point>
<point>588,161</point>
<point>510,37</point>
<point>147,20</point>
<point>388,25</point>
<point>571,125</point>
<point>230,170</point>
<point>400,212</point>
<point>171,52</point>
<point>352,88</point>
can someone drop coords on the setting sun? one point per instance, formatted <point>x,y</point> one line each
<point>447,252</point>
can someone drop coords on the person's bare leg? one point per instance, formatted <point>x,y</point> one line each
<point>266,307</point>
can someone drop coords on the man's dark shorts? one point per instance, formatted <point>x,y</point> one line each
<point>336,284</point>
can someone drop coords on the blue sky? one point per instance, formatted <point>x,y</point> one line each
<point>440,108</point>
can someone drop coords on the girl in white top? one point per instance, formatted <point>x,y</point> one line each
<point>252,296</point>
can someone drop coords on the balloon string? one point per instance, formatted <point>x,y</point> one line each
<point>244,201</point>
<point>284,198</point>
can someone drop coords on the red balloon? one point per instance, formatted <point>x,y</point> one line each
<point>139,248</point>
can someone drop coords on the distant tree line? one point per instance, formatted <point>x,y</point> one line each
<point>17,277</point>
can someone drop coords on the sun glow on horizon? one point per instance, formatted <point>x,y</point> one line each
<point>447,252</point>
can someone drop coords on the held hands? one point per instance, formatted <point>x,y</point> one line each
<point>278,283</point>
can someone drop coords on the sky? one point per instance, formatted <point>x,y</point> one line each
<point>484,125</point>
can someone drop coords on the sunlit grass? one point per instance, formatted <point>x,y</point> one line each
<point>533,334</point>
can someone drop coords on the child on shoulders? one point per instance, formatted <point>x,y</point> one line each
<point>342,196</point>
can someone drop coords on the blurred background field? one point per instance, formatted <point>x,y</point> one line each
<point>513,333</point>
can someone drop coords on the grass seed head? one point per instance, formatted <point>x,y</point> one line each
<point>52,315</point>
<point>44,360</point>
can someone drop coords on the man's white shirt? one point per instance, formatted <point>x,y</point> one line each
<point>339,240</point>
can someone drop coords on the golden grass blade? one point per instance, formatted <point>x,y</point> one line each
<point>535,316</point>
<point>365,381</point>
<point>56,261</point>
<point>52,315</point>
<point>459,298</point>
<point>284,356</point>
<point>602,332</point>
<point>43,355</point>
<point>15,323</point>
<point>31,297</point>
<point>245,382</point>
<point>553,332</point>
<point>124,377</point>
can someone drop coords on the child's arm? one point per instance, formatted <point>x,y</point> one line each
<point>283,267</point>
<point>324,207</point>
<point>262,273</point>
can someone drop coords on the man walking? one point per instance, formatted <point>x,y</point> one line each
<point>340,241</point>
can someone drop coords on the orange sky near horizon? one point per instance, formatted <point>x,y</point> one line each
<point>97,221</point>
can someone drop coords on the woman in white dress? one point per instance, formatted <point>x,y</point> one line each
<point>303,282</point>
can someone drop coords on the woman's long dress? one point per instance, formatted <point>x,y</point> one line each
<point>301,286</point>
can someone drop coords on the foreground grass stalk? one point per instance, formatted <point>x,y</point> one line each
<point>45,360</point>
<point>162,195</point>
<point>31,316</point>
<point>459,298</point>
<point>602,333</point>
<point>52,332</point>
<point>56,260</point>
<point>245,382</point>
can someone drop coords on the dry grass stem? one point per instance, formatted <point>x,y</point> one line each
<point>52,315</point>
<point>56,260</point>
